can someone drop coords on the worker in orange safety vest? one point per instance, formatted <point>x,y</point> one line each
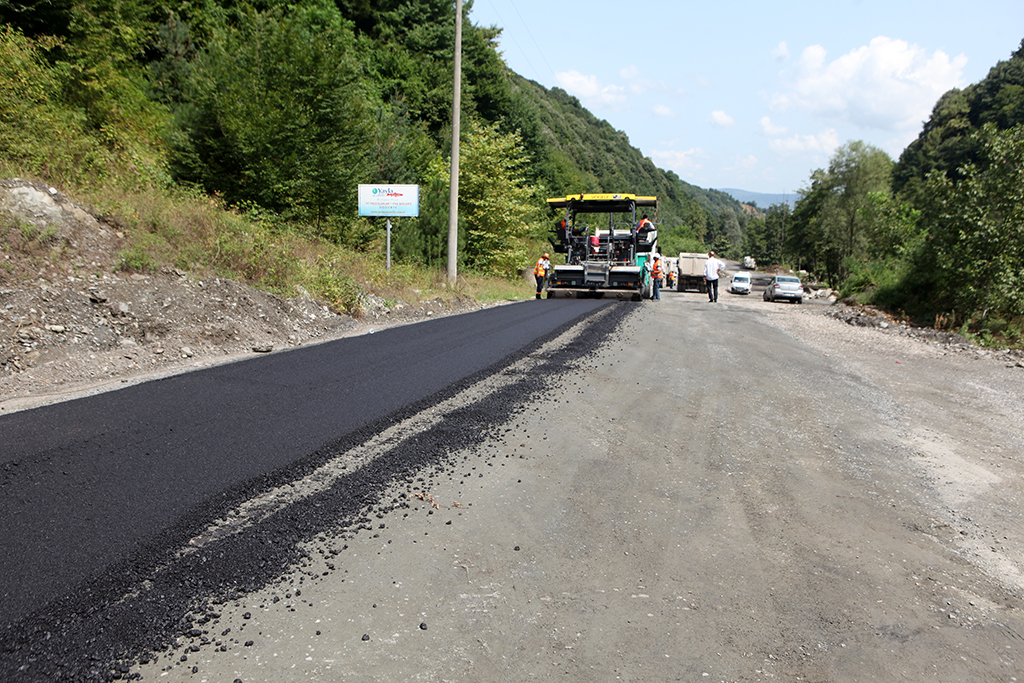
<point>656,274</point>
<point>540,272</point>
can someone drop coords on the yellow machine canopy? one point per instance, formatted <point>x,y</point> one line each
<point>602,203</point>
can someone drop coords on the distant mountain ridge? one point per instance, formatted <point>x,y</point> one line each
<point>763,200</point>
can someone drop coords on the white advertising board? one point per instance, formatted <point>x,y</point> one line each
<point>389,200</point>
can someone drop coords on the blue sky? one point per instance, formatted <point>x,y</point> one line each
<point>755,95</point>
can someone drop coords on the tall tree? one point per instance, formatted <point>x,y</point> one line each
<point>279,116</point>
<point>730,235</point>
<point>804,241</point>
<point>496,203</point>
<point>977,229</point>
<point>855,171</point>
<point>829,222</point>
<point>764,237</point>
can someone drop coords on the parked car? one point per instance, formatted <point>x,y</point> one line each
<point>785,287</point>
<point>740,283</point>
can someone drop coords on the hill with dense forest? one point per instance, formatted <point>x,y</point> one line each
<point>279,110</point>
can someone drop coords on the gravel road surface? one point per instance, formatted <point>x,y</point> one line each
<point>671,490</point>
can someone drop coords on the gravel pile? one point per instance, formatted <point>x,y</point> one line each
<point>824,326</point>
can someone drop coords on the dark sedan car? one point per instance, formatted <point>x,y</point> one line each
<point>784,287</point>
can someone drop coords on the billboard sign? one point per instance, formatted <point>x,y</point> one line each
<point>389,200</point>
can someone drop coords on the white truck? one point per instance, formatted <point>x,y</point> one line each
<point>690,272</point>
<point>671,268</point>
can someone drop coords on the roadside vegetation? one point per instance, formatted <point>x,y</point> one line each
<point>936,237</point>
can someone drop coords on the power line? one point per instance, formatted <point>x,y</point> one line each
<point>539,51</point>
<point>520,47</point>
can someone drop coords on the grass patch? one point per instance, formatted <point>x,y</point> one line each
<point>27,238</point>
<point>183,229</point>
<point>995,332</point>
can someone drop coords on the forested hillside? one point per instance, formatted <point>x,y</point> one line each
<point>279,110</point>
<point>938,235</point>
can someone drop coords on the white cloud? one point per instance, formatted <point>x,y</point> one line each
<point>887,84</point>
<point>770,128</point>
<point>825,143</point>
<point>592,93</point>
<point>720,119</point>
<point>636,85</point>
<point>679,161</point>
<point>597,96</point>
<point>744,164</point>
<point>630,72</point>
<point>781,52</point>
<point>780,102</point>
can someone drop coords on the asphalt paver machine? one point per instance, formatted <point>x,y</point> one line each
<point>607,249</point>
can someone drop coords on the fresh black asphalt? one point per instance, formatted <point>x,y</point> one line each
<point>87,484</point>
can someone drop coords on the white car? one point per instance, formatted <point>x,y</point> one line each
<point>785,288</point>
<point>740,283</point>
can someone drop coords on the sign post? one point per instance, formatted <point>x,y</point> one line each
<point>388,201</point>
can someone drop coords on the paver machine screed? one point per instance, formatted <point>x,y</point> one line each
<point>607,251</point>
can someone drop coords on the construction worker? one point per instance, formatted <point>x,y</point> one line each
<point>540,272</point>
<point>644,224</point>
<point>656,274</point>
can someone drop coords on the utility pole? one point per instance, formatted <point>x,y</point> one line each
<point>453,192</point>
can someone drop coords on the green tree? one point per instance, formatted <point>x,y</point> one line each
<point>401,149</point>
<point>47,130</point>
<point>279,116</point>
<point>424,239</point>
<point>169,75</point>
<point>730,234</point>
<point>941,144</point>
<point>804,241</point>
<point>977,229</point>
<point>36,19</point>
<point>764,237</point>
<point>411,59</point>
<point>496,204</point>
<point>830,226</point>
<point>39,133</point>
<point>409,56</point>
<point>855,171</point>
<point>675,239</point>
<point>893,227</point>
